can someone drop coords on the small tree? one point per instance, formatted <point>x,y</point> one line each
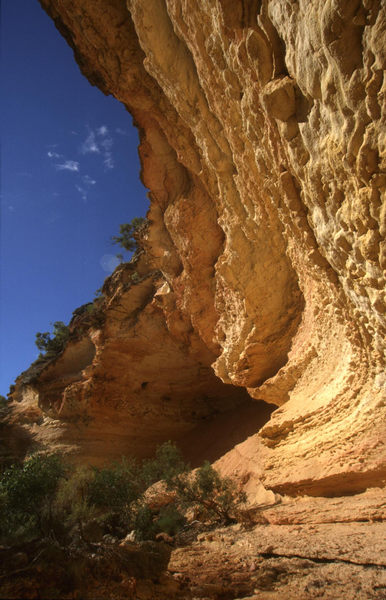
<point>167,464</point>
<point>53,345</point>
<point>127,238</point>
<point>215,497</point>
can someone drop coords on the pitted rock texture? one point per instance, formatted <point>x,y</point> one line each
<point>263,146</point>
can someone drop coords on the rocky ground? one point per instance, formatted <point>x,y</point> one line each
<point>326,561</point>
<point>294,552</point>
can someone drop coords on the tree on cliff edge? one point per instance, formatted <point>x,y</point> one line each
<point>127,238</point>
<point>55,344</point>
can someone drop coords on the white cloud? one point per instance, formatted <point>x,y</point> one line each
<point>120,131</point>
<point>82,192</point>
<point>99,141</point>
<point>68,165</point>
<point>107,143</point>
<point>53,154</point>
<point>87,180</point>
<point>90,145</point>
<point>108,161</point>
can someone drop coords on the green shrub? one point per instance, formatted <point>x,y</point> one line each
<point>127,238</point>
<point>52,346</point>
<point>166,465</point>
<point>27,493</point>
<point>142,521</point>
<point>4,406</point>
<point>210,495</point>
<point>170,520</point>
<point>115,487</point>
<point>44,497</point>
<point>72,505</point>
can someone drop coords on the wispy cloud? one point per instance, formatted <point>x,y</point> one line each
<point>87,180</point>
<point>120,131</point>
<point>107,144</point>
<point>102,130</point>
<point>90,145</point>
<point>82,192</point>
<point>68,165</point>
<point>51,154</point>
<point>108,161</point>
<point>99,141</point>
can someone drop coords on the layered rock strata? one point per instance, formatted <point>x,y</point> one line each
<point>262,144</point>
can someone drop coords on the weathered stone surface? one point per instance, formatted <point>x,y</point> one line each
<point>126,382</point>
<point>286,561</point>
<point>262,142</point>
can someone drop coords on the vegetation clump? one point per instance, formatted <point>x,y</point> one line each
<point>60,525</point>
<point>51,346</point>
<point>27,495</point>
<point>44,496</point>
<point>128,235</point>
<point>4,406</point>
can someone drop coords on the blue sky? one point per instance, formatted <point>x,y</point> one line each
<point>69,177</point>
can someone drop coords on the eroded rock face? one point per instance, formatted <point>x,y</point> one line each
<point>263,147</point>
<point>125,381</point>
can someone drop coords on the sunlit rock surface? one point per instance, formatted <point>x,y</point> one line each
<point>263,146</point>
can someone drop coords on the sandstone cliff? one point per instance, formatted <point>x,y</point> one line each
<point>262,276</point>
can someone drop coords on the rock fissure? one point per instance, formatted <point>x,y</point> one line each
<point>323,560</point>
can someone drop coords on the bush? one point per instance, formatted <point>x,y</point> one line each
<point>127,237</point>
<point>54,345</point>
<point>27,493</point>
<point>72,505</point>
<point>116,487</point>
<point>170,520</point>
<point>166,465</point>
<point>44,497</point>
<point>211,496</point>
<point>4,406</point>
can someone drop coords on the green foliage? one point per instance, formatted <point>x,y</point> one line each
<point>27,493</point>
<point>43,497</point>
<point>210,495</point>
<point>4,406</point>
<point>127,234</point>
<point>170,520</point>
<point>143,521</point>
<point>166,465</point>
<point>116,487</point>
<point>72,503</point>
<point>53,345</point>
